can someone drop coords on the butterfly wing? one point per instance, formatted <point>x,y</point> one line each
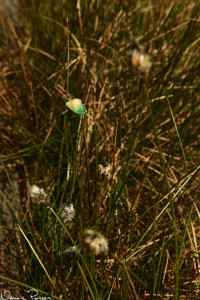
<point>76,106</point>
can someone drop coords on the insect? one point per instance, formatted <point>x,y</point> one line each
<point>140,61</point>
<point>76,106</point>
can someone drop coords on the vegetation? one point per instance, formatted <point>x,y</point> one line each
<point>145,129</point>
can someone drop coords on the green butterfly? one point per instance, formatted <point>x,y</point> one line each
<point>76,106</point>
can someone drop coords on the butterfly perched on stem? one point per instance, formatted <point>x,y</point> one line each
<point>76,106</point>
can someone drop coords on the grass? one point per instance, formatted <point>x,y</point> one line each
<point>146,129</point>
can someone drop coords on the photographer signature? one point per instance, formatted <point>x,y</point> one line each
<point>32,294</point>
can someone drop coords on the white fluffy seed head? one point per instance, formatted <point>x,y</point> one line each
<point>38,195</point>
<point>67,213</point>
<point>96,242</point>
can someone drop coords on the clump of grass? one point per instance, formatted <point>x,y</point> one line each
<point>146,130</point>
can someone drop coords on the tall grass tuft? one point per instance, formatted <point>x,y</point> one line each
<point>129,167</point>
